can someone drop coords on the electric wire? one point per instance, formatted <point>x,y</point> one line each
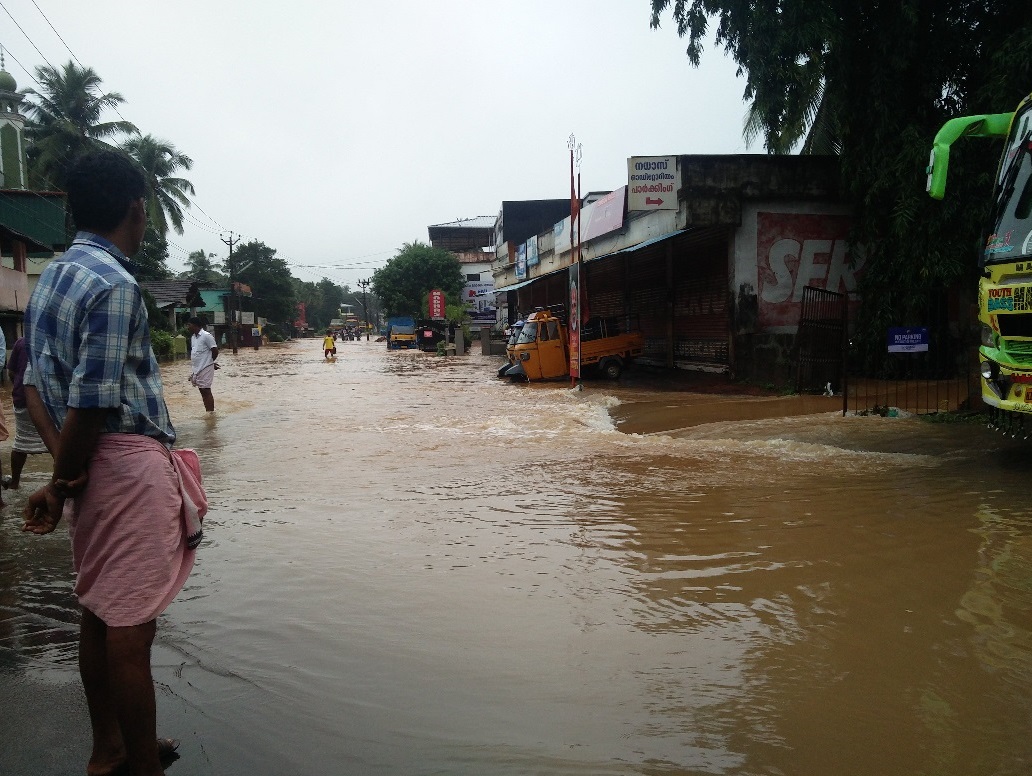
<point>334,268</point>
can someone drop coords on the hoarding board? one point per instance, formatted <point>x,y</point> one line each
<point>436,305</point>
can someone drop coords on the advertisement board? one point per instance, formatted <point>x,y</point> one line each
<point>795,250</point>
<point>521,261</point>
<point>533,258</point>
<point>436,305</point>
<point>480,302</point>
<point>604,215</point>
<point>575,329</point>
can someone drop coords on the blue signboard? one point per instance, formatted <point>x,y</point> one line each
<point>521,261</point>
<point>908,339</point>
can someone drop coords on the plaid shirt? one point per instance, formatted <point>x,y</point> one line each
<point>88,342</point>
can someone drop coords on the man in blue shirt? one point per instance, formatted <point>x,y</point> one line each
<point>93,383</point>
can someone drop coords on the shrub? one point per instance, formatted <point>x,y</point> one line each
<point>161,342</point>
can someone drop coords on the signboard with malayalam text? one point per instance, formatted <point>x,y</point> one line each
<point>436,305</point>
<point>652,183</point>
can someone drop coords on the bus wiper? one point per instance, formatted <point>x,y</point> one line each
<point>1010,178</point>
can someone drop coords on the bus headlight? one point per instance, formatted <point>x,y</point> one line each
<point>988,336</point>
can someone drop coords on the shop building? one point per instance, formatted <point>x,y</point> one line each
<point>707,256</point>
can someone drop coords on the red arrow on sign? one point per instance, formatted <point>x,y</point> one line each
<point>651,201</point>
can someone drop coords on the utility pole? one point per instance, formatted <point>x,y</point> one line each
<point>365,307</point>
<point>234,305</point>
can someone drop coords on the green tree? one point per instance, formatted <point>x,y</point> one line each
<point>272,285</point>
<point>403,283</point>
<point>160,160</point>
<point>874,80</point>
<point>65,120</point>
<point>203,268</point>
<point>150,262</point>
<point>322,300</point>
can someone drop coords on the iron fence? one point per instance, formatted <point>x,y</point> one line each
<point>945,378</point>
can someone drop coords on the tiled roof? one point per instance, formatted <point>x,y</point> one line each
<point>181,293</point>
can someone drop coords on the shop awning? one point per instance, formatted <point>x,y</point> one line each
<point>523,283</point>
<point>639,246</point>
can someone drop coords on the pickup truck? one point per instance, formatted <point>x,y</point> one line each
<point>542,350</point>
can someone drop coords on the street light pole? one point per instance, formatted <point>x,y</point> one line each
<point>234,304</point>
<point>365,307</point>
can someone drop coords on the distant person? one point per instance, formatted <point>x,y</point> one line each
<point>4,433</point>
<point>27,440</point>
<point>203,352</point>
<point>132,502</point>
<point>329,348</point>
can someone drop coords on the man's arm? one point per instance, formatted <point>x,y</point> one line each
<point>75,445</point>
<point>41,419</point>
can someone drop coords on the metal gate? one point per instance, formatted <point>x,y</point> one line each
<point>821,341</point>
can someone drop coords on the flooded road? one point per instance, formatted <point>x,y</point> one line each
<point>410,567</point>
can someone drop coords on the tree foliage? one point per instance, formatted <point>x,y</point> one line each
<point>874,80</point>
<point>272,287</point>
<point>403,283</point>
<point>322,300</point>
<point>204,268</point>
<point>65,120</point>
<point>160,160</point>
<point>151,260</point>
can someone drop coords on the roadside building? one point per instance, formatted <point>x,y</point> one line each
<point>32,223</point>
<point>178,300</point>
<point>471,241</point>
<point>708,256</point>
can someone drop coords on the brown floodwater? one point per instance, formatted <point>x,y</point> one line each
<point>411,567</point>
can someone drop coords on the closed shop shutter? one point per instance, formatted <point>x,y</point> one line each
<point>647,295</point>
<point>605,284</point>
<point>702,321</point>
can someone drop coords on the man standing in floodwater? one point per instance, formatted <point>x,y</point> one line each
<point>203,352</point>
<point>93,381</point>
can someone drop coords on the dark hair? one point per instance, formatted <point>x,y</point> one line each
<point>197,321</point>
<point>101,187</point>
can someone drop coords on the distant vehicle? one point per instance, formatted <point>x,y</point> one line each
<point>428,334</point>
<point>401,333</point>
<point>542,350</point>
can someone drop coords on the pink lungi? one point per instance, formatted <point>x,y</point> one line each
<point>128,543</point>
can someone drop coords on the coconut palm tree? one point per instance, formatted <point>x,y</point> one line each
<point>65,119</point>
<point>160,161</point>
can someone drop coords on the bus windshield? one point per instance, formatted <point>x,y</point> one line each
<point>1010,227</point>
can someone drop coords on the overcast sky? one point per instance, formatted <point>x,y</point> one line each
<point>336,132</point>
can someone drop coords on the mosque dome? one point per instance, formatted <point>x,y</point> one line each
<point>7,82</point>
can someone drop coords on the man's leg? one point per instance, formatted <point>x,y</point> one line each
<point>132,693</point>
<point>108,748</point>
<point>208,398</point>
<point>18,459</point>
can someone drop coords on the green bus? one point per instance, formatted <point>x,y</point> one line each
<point>1005,287</point>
